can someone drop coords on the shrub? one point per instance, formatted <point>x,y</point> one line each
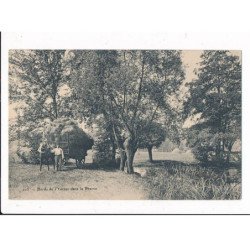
<point>104,145</point>
<point>28,155</point>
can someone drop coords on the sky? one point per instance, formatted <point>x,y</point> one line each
<point>191,59</point>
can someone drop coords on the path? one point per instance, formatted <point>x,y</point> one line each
<point>27,182</point>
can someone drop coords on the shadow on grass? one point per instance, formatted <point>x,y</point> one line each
<point>91,166</point>
<point>172,163</point>
<point>163,163</point>
<point>106,168</point>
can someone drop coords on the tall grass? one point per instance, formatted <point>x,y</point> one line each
<point>193,182</point>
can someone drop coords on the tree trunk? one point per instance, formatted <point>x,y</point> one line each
<point>55,107</point>
<point>129,146</point>
<point>113,150</point>
<point>123,159</point>
<point>130,159</point>
<point>150,155</point>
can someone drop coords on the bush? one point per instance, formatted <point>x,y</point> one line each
<point>28,155</point>
<point>104,151</point>
<point>107,163</point>
<point>202,144</point>
<point>103,157</point>
<point>201,153</point>
<point>208,145</point>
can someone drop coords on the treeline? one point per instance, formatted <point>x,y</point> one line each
<point>132,98</point>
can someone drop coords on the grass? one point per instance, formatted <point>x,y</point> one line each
<point>172,180</point>
<point>176,155</point>
<point>174,176</point>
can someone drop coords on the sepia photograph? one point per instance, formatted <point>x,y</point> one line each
<point>124,124</point>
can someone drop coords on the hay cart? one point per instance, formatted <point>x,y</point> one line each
<point>73,150</point>
<point>69,136</point>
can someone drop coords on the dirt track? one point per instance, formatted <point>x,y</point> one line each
<point>27,182</point>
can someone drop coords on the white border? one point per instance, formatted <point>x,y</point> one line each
<point>234,41</point>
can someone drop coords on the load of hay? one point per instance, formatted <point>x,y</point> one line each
<point>57,132</point>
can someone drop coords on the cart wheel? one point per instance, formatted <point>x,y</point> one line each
<point>79,163</point>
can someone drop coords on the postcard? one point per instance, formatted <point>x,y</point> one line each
<point>98,127</point>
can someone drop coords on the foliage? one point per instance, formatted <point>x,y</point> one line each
<point>36,77</point>
<point>167,146</point>
<point>153,135</point>
<point>104,146</point>
<point>131,89</point>
<point>216,97</point>
<point>28,155</point>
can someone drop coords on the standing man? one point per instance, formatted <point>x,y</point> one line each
<point>59,156</point>
<point>43,148</point>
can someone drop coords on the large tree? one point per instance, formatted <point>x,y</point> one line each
<point>130,89</point>
<point>37,89</point>
<point>36,77</point>
<point>215,98</point>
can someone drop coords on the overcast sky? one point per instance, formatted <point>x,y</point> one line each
<point>191,59</point>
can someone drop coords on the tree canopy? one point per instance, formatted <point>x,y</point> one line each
<point>36,79</point>
<point>152,136</point>
<point>130,89</point>
<point>216,97</point>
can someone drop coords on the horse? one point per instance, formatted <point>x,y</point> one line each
<point>46,156</point>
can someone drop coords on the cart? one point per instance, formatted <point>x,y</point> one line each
<point>72,151</point>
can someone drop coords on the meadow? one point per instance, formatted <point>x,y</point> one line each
<point>173,175</point>
<point>178,176</point>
